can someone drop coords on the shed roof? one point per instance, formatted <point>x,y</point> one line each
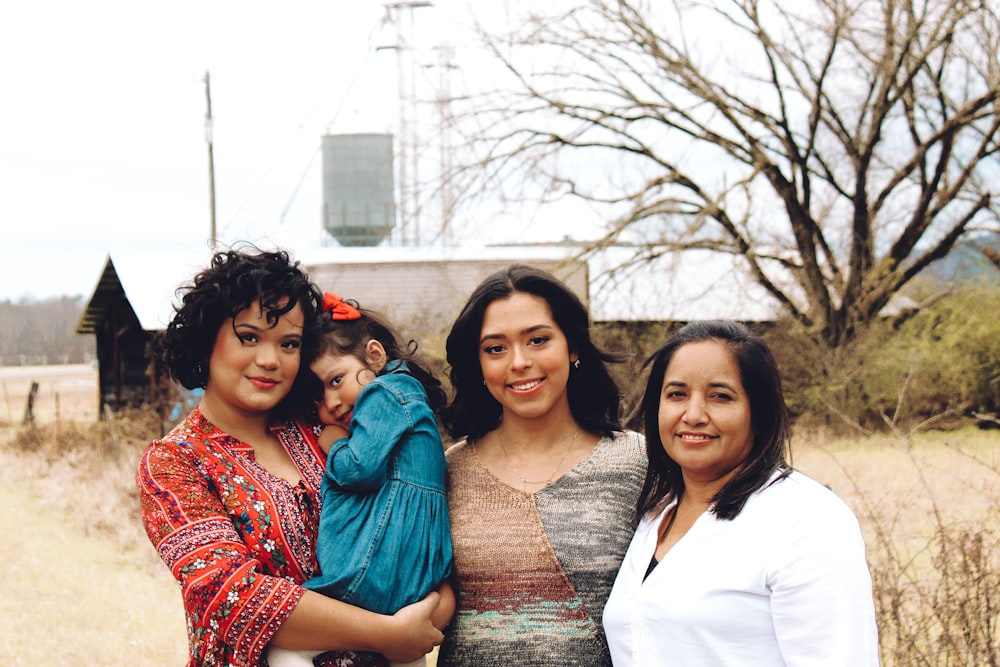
<point>148,279</point>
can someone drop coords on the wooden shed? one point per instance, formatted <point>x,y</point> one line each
<point>131,302</point>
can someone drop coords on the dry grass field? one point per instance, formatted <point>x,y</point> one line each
<point>86,587</point>
<point>929,505</point>
<point>67,392</point>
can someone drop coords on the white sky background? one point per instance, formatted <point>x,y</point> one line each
<point>102,110</point>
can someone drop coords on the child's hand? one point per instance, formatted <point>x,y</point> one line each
<point>331,433</point>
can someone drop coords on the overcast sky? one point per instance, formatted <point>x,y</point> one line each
<point>102,112</point>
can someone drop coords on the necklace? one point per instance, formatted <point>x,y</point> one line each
<point>543,482</point>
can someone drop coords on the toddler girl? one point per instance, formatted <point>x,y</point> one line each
<point>384,536</point>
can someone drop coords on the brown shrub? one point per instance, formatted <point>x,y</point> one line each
<point>88,469</point>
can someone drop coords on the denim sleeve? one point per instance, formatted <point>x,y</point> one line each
<point>381,418</point>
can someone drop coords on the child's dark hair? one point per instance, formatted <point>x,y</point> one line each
<point>350,336</point>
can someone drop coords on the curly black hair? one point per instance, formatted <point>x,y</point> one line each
<point>594,398</point>
<point>234,280</point>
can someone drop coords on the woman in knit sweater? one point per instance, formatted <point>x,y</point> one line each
<point>543,483</point>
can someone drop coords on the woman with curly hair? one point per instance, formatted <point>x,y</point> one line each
<point>230,497</point>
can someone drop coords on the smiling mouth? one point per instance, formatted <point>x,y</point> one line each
<point>524,386</point>
<point>698,437</point>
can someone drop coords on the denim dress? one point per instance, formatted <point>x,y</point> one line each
<point>384,536</point>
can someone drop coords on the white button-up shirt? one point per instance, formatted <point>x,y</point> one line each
<point>784,584</point>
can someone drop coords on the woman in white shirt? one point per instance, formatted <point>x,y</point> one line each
<point>738,559</point>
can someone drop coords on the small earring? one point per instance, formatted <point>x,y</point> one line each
<point>484,382</point>
<point>576,364</point>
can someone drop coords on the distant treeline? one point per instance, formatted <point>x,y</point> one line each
<point>43,332</point>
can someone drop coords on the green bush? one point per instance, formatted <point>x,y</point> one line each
<point>942,364</point>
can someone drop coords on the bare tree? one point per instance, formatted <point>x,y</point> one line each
<point>837,147</point>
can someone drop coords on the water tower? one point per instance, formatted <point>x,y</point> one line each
<point>358,204</point>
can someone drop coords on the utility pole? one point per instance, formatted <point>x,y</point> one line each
<point>409,205</point>
<point>211,159</point>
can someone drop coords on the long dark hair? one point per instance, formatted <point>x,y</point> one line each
<point>234,280</point>
<point>770,425</point>
<point>349,337</point>
<point>594,399</point>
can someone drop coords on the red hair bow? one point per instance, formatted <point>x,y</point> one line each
<point>339,309</point>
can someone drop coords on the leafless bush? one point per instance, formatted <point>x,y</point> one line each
<point>942,612</point>
<point>934,554</point>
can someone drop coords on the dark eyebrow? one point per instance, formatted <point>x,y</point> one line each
<point>257,328</point>
<point>723,385</point>
<point>713,385</point>
<point>528,330</point>
<point>539,327</point>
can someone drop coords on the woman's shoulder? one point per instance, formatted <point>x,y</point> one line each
<point>797,515</point>
<point>792,482</point>
<point>796,495</point>
<point>195,436</point>
<point>622,444</point>
<point>464,468</point>
<point>620,457</point>
<point>630,439</point>
<point>457,449</point>
<point>182,447</point>
<point>193,430</point>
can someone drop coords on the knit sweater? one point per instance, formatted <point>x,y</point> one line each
<point>535,570</point>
